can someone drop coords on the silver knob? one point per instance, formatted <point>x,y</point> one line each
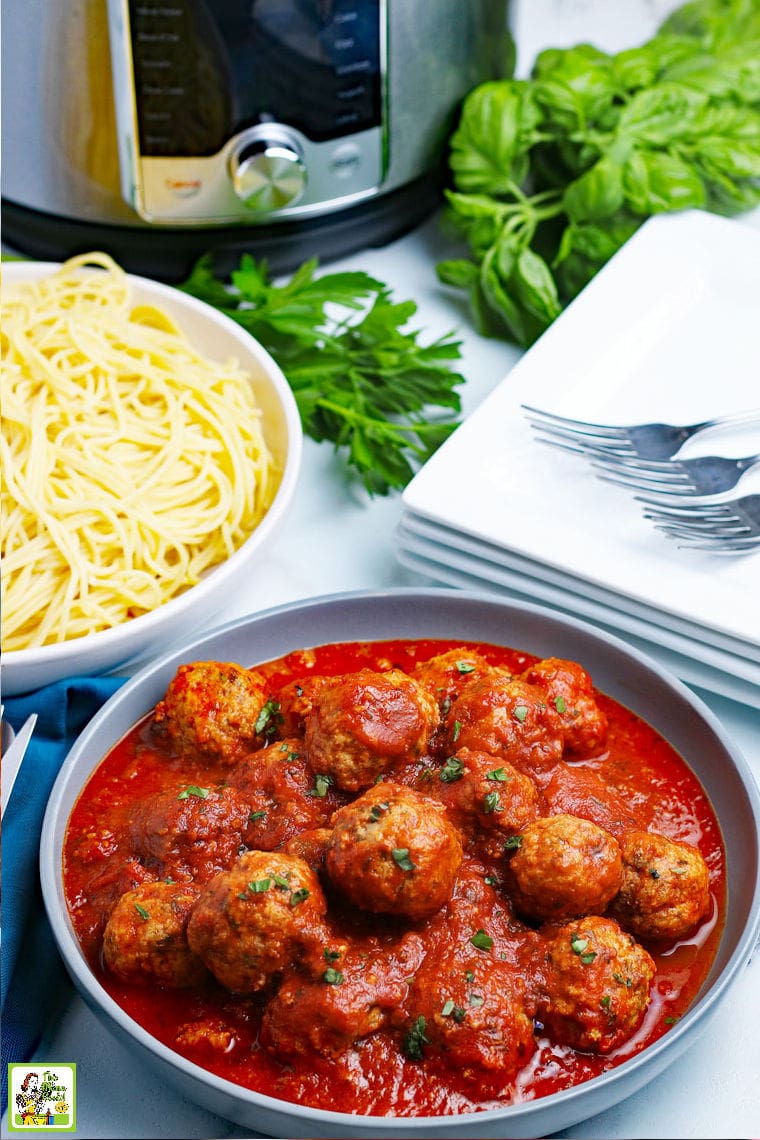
<point>268,175</point>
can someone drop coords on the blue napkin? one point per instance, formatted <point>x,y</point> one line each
<point>34,981</point>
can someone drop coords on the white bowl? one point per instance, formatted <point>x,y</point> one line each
<point>623,673</point>
<point>219,337</point>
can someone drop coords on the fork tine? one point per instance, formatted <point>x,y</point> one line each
<point>584,443</point>
<point>583,426</point>
<point>689,508</point>
<point>675,486</point>
<point>726,527</point>
<point>700,530</point>
<point>716,545</point>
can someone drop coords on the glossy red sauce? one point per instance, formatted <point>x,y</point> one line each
<point>376,1077</point>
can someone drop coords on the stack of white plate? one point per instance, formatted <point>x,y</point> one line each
<point>668,330</point>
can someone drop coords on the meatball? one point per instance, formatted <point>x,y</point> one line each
<point>252,922</point>
<point>470,1008</point>
<point>564,866</point>
<point>581,791</point>
<point>570,689</point>
<point>592,984</point>
<point>394,851</point>
<point>296,699</point>
<point>361,723</point>
<point>446,675</point>
<point>486,798</point>
<point>211,709</point>
<point>509,718</point>
<point>311,846</point>
<point>356,993</point>
<point>666,887</point>
<point>284,794</point>
<point>145,937</point>
<point>191,831</point>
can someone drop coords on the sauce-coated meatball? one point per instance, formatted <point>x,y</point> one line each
<point>354,996</point>
<point>361,723</point>
<point>509,718</point>
<point>486,797</point>
<point>285,795</point>
<point>574,790</point>
<point>253,921</point>
<point>394,851</point>
<point>570,689</point>
<point>446,675</point>
<point>191,831</point>
<point>666,887</point>
<point>145,937</point>
<point>592,983</point>
<point>471,1010</point>
<point>211,709</point>
<point>296,699</point>
<point>564,866</point>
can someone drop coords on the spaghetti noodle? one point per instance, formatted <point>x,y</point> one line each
<point>132,464</point>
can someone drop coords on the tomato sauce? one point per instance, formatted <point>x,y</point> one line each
<point>377,1076</point>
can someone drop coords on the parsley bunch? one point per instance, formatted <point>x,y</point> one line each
<point>360,381</point>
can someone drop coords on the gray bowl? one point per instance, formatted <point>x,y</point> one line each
<point>621,672</point>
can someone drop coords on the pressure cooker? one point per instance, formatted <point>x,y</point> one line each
<point>158,130</point>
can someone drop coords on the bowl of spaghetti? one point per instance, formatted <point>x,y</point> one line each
<point>150,447</point>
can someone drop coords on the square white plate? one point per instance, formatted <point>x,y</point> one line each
<point>668,330</point>
<point>685,662</point>
<point>450,544</point>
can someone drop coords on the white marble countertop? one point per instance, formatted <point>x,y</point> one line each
<point>337,539</point>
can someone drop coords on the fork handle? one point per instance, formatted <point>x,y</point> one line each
<point>750,416</point>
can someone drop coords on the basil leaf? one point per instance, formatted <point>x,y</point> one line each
<point>596,194</point>
<point>497,127</point>
<point>654,182</point>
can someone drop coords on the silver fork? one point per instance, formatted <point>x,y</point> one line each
<point>704,475</point>
<point>648,441</point>
<point>730,526</point>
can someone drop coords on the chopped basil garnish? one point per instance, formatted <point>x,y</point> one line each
<point>298,896</point>
<point>193,790</point>
<point>520,712</point>
<point>452,770</point>
<point>579,946</point>
<point>450,1009</point>
<point>415,1039</point>
<point>481,941</point>
<point>491,802</point>
<point>499,775</point>
<point>269,717</point>
<point>256,815</point>
<point>513,843</point>
<point>560,705</point>
<point>332,976</point>
<point>321,784</point>
<point>401,856</point>
<point>258,886</point>
<point>143,913</point>
<point>465,666</point>
<point>457,730</point>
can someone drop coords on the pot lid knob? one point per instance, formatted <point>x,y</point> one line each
<point>268,174</point>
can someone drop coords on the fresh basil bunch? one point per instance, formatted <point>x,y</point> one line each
<point>551,174</point>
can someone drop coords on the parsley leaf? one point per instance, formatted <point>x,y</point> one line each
<point>360,379</point>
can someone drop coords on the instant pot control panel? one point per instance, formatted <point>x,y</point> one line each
<point>248,110</point>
